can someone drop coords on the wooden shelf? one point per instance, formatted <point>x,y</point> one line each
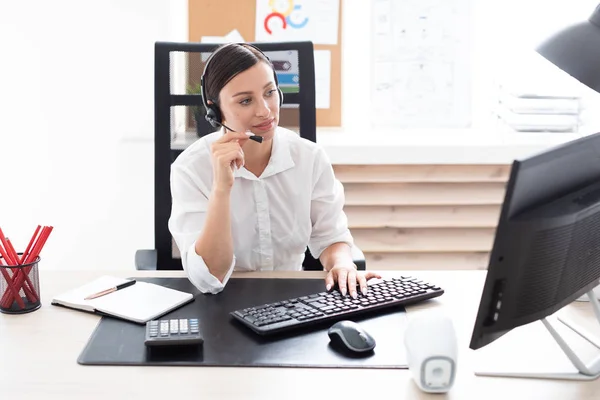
<point>423,216</point>
<point>421,173</point>
<point>427,261</point>
<point>417,193</point>
<point>424,239</point>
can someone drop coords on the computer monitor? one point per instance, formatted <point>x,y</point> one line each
<point>546,251</point>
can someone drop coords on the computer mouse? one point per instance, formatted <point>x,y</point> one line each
<point>351,336</point>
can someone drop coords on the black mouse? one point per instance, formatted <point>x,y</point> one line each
<point>351,336</point>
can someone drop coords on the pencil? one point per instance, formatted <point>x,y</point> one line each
<point>21,278</point>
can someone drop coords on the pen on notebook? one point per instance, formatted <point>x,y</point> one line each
<point>112,289</point>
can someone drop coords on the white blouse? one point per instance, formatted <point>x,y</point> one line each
<point>297,201</point>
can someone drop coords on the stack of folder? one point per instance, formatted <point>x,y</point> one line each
<point>540,98</point>
<point>525,112</point>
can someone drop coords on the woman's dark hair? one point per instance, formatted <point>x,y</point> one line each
<point>228,61</point>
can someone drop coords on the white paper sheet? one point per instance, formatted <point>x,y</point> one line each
<point>420,63</point>
<point>294,20</point>
<point>232,37</point>
<point>322,78</point>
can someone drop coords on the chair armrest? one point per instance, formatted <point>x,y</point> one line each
<point>359,258</point>
<point>145,260</point>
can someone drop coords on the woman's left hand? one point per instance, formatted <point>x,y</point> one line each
<point>347,278</point>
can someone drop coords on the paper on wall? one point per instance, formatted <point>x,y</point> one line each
<point>232,37</point>
<point>297,20</point>
<point>322,78</point>
<point>420,64</point>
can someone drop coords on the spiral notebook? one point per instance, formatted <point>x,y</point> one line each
<point>138,303</point>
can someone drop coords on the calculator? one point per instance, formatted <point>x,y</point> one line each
<point>169,332</point>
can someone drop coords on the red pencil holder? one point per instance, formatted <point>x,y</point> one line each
<point>20,288</point>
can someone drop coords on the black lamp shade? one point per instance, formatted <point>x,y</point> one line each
<point>576,50</point>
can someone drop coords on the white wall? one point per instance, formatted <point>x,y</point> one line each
<point>76,81</point>
<point>502,32</point>
<point>76,119</point>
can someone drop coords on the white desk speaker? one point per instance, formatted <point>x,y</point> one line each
<point>431,350</point>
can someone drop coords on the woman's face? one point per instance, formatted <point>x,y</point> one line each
<point>250,101</point>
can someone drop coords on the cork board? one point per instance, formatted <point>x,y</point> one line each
<point>216,18</point>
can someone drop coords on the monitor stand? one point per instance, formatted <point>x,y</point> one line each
<point>585,371</point>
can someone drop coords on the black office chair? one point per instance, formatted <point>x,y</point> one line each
<point>299,102</point>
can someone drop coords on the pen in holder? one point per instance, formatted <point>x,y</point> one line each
<point>19,287</point>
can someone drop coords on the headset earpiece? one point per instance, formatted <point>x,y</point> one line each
<point>212,117</point>
<point>213,114</point>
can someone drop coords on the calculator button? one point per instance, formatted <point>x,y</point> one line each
<point>194,328</point>
<point>183,326</point>
<point>174,325</point>
<point>164,328</point>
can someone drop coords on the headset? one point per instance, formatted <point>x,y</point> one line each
<point>213,113</point>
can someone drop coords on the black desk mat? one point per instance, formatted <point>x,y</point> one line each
<point>229,343</point>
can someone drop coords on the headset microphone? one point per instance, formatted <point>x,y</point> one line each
<point>256,138</point>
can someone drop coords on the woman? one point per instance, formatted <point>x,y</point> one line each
<point>244,205</point>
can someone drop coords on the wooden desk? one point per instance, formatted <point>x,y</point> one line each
<point>38,357</point>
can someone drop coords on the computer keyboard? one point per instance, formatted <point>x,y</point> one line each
<point>320,307</point>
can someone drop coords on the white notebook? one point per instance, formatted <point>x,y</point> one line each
<point>139,303</point>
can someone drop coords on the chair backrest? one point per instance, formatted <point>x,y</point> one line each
<point>177,71</point>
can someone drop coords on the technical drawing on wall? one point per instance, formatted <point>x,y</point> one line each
<point>420,63</point>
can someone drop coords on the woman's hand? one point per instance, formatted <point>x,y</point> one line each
<point>347,277</point>
<point>227,154</point>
